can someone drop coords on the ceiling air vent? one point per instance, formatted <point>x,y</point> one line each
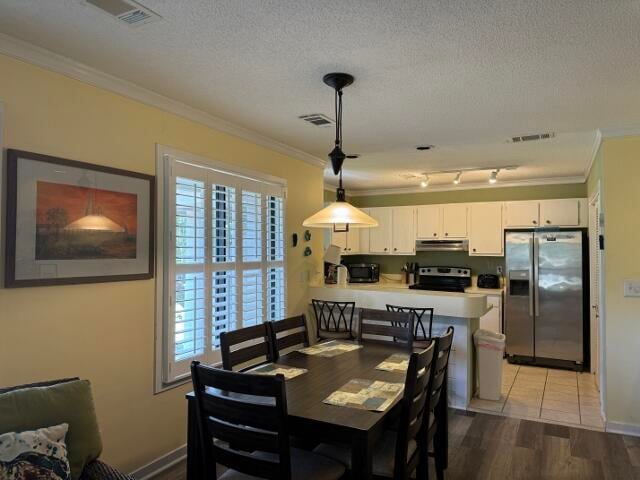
<point>530,138</point>
<point>126,11</point>
<point>318,119</point>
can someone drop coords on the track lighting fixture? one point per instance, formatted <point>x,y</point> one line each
<point>493,178</point>
<point>425,182</point>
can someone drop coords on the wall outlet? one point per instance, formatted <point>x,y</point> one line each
<point>632,288</point>
<point>499,269</point>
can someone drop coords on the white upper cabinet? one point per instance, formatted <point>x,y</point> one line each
<point>349,242</point>
<point>364,235</point>
<point>454,220</point>
<point>565,212</point>
<point>485,229</point>
<point>339,239</point>
<point>522,214</point>
<point>404,230</point>
<point>429,221</point>
<point>380,236</point>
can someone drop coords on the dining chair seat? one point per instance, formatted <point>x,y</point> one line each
<point>383,454</point>
<point>304,466</point>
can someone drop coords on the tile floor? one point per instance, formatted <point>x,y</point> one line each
<point>557,396</point>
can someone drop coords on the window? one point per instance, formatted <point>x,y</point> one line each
<point>223,264</point>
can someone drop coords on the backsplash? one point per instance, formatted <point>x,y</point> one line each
<point>394,263</point>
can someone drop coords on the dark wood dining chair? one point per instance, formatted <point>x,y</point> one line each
<point>246,348</point>
<point>422,315</point>
<point>402,451</point>
<point>334,320</point>
<point>288,333</point>
<point>380,326</point>
<point>437,433</point>
<point>250,412</point>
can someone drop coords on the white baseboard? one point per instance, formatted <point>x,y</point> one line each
<point>160,464</point>
<point>623,428</point>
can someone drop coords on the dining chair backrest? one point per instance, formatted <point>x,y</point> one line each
<point>334,320</point>
<point>246,347</point>
<point>415,405</point>
<point>288,333</point>
<point>439,375</point>
<point>422,315</point>
<point>381,326</point>
<point>246,411</point>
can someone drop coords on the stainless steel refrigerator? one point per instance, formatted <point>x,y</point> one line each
<point>546,296</point>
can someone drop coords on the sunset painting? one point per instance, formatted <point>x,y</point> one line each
<point>81,223</point>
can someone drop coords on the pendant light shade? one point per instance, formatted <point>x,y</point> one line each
<point>340,215</point>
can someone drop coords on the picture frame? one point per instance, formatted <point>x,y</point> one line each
<point>71,222</point>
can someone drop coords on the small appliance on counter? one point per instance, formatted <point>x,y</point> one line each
<point>443,279</point>
<point>331,262</point>
<point>364,272</point>
<point>342,275</point>
<point>488,280</point>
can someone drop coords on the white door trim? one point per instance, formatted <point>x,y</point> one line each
<point>596,229</point>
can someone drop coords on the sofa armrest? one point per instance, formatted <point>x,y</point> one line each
<point>98,470</point>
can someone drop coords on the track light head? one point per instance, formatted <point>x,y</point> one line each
<point>493,178</point>
<point>456,180</point>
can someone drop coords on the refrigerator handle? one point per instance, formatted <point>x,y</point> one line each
<point>536,274</point>
<point>531,313</point>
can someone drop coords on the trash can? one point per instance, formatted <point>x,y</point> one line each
<point>490,350</point>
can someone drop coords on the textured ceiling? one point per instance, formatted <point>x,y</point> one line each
<point>461,74</point>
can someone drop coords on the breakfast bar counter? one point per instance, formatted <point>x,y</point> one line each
<point>460,310</point>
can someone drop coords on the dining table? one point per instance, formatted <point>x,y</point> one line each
<point>310,419</point>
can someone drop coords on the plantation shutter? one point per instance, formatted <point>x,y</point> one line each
<point>226,269</point>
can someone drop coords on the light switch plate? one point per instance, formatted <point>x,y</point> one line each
<point>499,269</point>
<point>632,288</point>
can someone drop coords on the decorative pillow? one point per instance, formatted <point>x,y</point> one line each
<point>40,454</point>
<point>70,402</point>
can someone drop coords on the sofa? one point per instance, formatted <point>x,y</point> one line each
<point>68,400</point>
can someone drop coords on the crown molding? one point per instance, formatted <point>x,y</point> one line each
<point>597,141</point>
<point>462,186</point>
<point>49,60</point>
<point>619,132</point>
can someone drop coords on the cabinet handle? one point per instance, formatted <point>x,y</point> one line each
<point>446,234</point>
<point>534,222</point>
<point>395,249</point>
<point>548,221</point>
<point>385,249</point>
<point>474,249</point>
<point>435,234</point>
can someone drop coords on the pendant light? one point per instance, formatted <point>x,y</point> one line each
<point>340,215</point>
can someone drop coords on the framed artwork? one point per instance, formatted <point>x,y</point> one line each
<point>73,222</point>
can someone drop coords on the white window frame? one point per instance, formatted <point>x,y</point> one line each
<point>171,163</point>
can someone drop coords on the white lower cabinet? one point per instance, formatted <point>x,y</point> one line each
<point>492,320</point>
<point>485,229</point>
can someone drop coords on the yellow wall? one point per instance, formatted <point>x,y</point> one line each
<point>105,332</point>
<point>620,176</point>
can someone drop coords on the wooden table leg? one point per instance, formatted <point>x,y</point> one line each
<point>361,456</point>
<point>195,462</point>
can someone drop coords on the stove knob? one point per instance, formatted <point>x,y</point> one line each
<point>459,271</point>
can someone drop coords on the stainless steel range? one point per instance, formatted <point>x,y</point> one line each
<point>442,279</point>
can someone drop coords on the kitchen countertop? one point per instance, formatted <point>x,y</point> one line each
<point>403,286</point>
<point>376,295</point>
